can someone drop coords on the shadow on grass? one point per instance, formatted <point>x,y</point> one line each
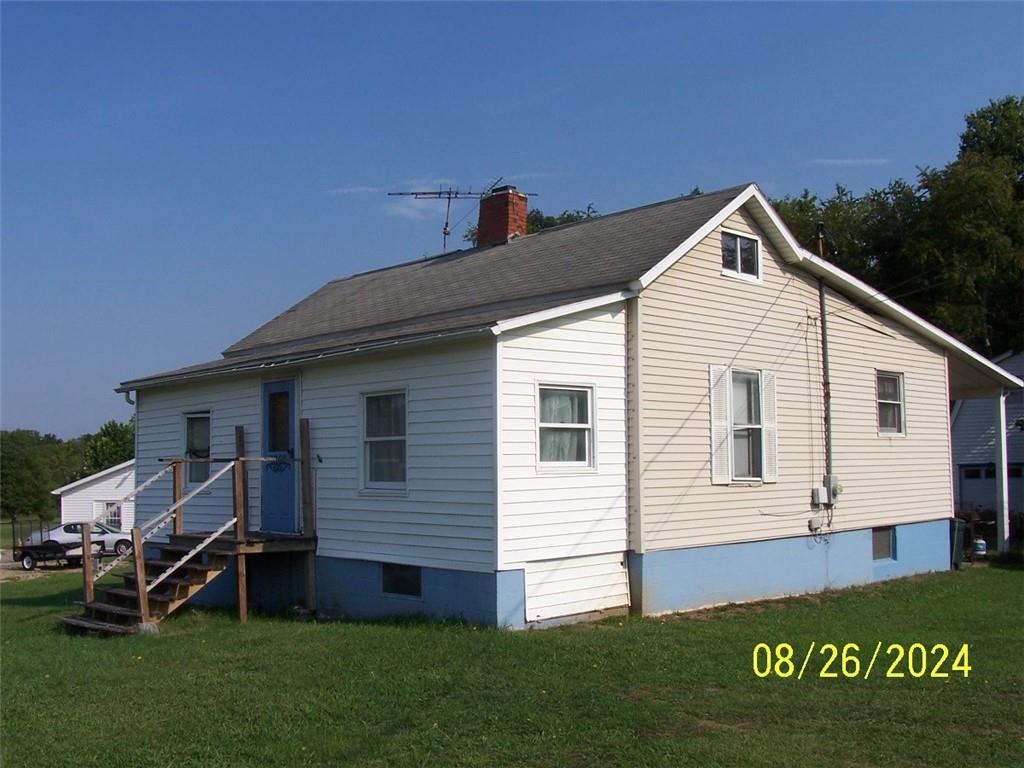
<point>55,600</point>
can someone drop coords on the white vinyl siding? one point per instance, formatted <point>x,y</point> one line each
<point>81,504</point>
<point>552,515</point>
<point>575,585</point>
<point>160,433</point>
<point>444,515</point>
<point>690,319</point>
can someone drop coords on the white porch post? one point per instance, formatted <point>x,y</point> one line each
<point>1002,483</point>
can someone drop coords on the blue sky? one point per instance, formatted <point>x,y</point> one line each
<point>175,175</point>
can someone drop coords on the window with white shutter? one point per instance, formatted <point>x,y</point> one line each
<point>744,426</point>
<point>721,426</point>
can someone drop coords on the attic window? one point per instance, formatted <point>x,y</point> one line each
<point>741,256</point>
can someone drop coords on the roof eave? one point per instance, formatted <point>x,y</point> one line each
<point>93,477</point>
<point>298,358</point>
<point>864,293</point>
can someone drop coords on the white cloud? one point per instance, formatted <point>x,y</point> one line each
<point>414,209</point>
<point>851,161</point>
<point>354,190</point>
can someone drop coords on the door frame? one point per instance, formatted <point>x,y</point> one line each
<point>296,380</point>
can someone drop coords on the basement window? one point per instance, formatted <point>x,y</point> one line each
<point>883,543</point>
<point>405,580</point>
<point>741,256</point>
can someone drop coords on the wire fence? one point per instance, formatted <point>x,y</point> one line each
<point>19,529</point>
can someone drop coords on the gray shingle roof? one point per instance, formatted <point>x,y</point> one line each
<point>471,289</point>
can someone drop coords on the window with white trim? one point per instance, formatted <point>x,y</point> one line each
<point>740,255</point>
<point>197,446</point>
<point>112,514</point>
<point>747,433</point>
<point>384,440</point>
<point>744,430</point>
<point>889,392</point>
<point>565,426</point>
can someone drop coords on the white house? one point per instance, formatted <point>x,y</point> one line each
<point>977,444</point>
<point>662,408</point>
<point>98,497</point>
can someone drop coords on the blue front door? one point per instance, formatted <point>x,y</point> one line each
<point>278,491</point>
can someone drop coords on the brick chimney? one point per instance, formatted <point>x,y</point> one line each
<point>502,216</point>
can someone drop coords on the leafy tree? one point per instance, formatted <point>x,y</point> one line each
<point>24,479</point>
<point>997,130</point>
<point>536,220</point>
<point>948,246</point>
<point>972,238</point>
<point>113,444</point>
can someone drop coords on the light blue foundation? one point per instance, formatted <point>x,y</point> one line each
<point>353,588</point>
<point>681,579</point>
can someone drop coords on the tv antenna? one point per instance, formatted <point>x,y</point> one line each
<point>449,194</point>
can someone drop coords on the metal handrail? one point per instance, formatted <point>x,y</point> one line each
<point>161,519</point>
<point>192,553</point>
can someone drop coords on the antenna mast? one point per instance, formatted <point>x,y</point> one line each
<point>447,195</point>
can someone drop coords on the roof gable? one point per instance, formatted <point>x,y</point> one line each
<point>574,260</point>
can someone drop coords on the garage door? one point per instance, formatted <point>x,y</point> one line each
<point>576,585</point>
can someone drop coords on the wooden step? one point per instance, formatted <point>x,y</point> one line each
<point>86,624</point>
<point>163,565</point>
<point>130,594</point>
<point>171,581</point>
<point>113,610</point>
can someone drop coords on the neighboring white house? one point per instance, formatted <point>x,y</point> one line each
<point>975,444</point>
<point>625,411</point>
<point>98,496</point>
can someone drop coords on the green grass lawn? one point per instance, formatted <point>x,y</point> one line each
<point>632,692</point>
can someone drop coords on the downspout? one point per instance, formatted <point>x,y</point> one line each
<point>826,383</point>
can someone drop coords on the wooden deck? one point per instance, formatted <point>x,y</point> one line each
<point>254,543</point>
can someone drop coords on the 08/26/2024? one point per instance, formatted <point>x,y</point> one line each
<point>916,660</point>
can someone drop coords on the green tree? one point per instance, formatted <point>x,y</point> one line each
<point>997,130</point>
<point>24,477</point>
<point>972,239</point>
<point>113,444</point>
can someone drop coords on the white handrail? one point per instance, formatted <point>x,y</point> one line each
<point>139,489</point>
<point>192,553</point>
<point>161,519</point>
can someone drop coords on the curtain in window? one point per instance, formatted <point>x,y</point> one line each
<point>385,416</point>
<point>563,406</point>
<point>563,444</point>
<point>197,446</point>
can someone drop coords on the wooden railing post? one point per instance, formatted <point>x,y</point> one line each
<point>140,576</point>
<point>238,478</point>
<point>88,594</point>
<point>241,496</point>
<point>308,498</point>
<point>179,491</point>
<point>239,453</point>
<point>306,473</point>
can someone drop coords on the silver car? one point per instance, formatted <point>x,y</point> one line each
<point>108,538</point>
